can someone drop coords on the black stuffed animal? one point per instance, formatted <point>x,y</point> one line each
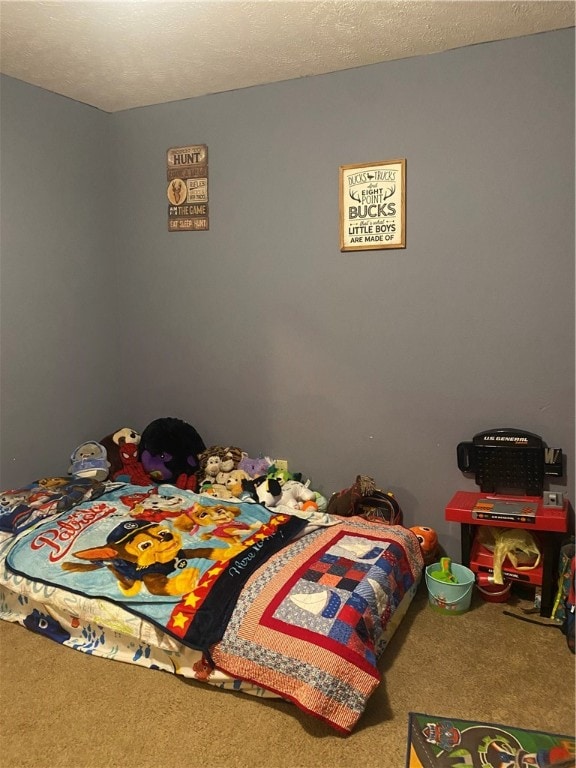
<point>168,451</point>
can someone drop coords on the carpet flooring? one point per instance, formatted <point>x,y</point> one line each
<point>63,709</point>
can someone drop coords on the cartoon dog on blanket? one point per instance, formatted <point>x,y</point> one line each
<point>221,520</point>
<point>144,552</point>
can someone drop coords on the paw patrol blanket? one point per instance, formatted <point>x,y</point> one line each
<point>167,555</point>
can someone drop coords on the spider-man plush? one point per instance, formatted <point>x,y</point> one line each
<point>131,467</point>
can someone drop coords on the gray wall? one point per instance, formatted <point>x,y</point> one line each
<point>263,334</point>
<point>58,296</point>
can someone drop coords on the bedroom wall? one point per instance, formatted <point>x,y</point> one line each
<point>58,313</point>
<point>261,333</point>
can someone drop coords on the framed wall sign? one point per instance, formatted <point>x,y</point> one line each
<point>373,206</point>
<point>187,191</point>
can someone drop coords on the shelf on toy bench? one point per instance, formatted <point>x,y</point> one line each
<point>482,561</point>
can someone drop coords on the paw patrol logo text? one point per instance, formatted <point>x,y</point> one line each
<point>62,536</point>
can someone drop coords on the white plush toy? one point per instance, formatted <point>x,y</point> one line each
<point>295,494</point>
<point>268,491</point>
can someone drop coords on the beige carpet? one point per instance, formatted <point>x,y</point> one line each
<point>63,709</point>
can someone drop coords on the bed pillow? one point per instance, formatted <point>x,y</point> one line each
<point>23,507</point>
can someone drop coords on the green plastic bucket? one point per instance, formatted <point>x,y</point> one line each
<point>450,599</point>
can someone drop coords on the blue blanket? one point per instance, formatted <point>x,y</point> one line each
<point>177,559</point>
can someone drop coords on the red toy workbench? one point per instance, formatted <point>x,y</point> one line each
<point>526,512</point>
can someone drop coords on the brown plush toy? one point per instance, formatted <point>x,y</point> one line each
<point>343,503</point>
<point>217,462</point>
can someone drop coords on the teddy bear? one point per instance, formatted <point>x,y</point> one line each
<point>234,479</point>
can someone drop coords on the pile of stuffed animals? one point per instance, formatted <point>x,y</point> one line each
<point>170,450</point>
<point>166,451</point>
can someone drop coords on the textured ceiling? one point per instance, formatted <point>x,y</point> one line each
<point>120,55</point>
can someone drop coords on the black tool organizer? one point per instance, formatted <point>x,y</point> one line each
<point>509,460</point>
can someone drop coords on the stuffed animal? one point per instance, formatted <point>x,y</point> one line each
<point>216,462</point>
<point>132,470</point>
<point>264,490</point>
<point>428,540</point>
<point>234,481</point>
<point>89,460</point>
<point>269,492</point>
<point>230,458</point>
<point>169,449</point>
<point>113,444</point>
<point>209,465</point>
<point>216,490</point>
<point>295,494</point>
<point>254,467</point>
<point>343,503</point>
<point>283,475</point>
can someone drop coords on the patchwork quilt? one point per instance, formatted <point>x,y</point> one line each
<point>168,555</point>
<point>312,625</point>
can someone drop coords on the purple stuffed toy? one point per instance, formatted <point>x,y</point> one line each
<point>168,451</point>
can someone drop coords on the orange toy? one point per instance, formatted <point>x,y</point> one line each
<point>428,539</point>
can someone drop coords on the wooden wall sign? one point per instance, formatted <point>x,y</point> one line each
<point>187,174</point>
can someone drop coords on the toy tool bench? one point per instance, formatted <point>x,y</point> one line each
<point>505,460</point>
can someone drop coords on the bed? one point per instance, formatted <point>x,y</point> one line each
<point>270,602</point>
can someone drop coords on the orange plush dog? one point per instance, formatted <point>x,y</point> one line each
<point>221,516</point>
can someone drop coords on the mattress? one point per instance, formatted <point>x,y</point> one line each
<point>314,602</point>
